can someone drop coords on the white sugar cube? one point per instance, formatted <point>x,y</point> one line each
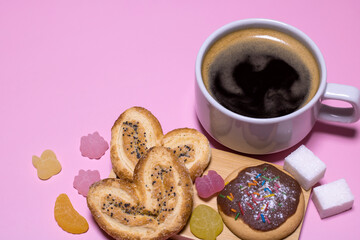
<point>305,167</point>
<point>332,198</point>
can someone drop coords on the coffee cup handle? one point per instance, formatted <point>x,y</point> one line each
<point>344,93</point>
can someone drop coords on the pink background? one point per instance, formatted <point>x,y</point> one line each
<point>69,68</point>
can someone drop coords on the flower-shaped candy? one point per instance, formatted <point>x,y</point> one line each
<point>83,181</point>
<point>93,146</point>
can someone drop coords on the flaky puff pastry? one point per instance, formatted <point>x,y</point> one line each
<point>190,147</point>
<point>156,204</point>
<point>137,130</point>
<point>134,132</point>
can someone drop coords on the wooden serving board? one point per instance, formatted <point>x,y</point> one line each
<point>225,163</point>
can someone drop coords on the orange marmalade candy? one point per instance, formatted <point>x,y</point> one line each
<point>67,217</point>
<point>47,164</point>
<point>205,222</point>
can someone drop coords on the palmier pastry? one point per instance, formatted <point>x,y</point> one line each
<point>261,202</point>
<point>137,130</point>
<point>133,133</point>
<point>191,147</point>
<point>156,204</point>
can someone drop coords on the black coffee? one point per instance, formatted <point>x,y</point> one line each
<point>260,73</point>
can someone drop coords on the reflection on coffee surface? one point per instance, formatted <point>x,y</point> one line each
<point>260,73</point>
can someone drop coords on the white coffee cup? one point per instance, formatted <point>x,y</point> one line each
<point>270,135</point>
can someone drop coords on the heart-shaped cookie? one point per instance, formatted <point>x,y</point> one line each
<point>137,130</point>
<point>156,204</point>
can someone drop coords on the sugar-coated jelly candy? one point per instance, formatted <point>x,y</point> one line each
<point>205,222</point>
<point>47,164</point>
<point>93,146</point>
<point>83,181</point>
<point>67,217</point>
<point>209,184</point>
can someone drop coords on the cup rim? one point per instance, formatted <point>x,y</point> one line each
<point>265,23</point>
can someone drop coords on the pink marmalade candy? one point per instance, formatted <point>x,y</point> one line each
<point>209,184</point>
<point>83,181</point>
<point>93,146</point>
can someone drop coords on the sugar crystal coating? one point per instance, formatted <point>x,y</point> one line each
<point>305,166</point>
<point>332,198</point>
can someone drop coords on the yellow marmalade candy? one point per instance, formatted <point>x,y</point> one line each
<point>205,222</point>
<point>47,164</point>
<point>67,217</point>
